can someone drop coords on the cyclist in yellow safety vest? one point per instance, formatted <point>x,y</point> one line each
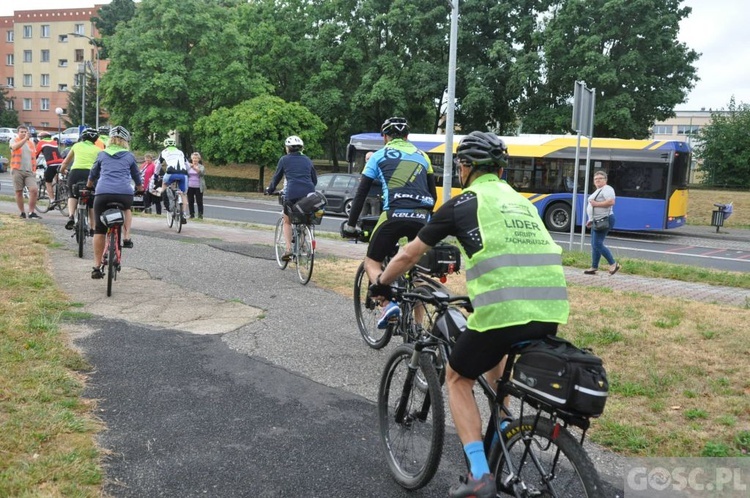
<point>514,278</point>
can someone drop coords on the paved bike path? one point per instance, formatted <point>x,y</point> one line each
<point>276,399</point>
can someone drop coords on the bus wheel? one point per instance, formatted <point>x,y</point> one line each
<point>557,217</point>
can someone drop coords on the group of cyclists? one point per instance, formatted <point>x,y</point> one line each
<point>101,160</point>
<point>514,277</point>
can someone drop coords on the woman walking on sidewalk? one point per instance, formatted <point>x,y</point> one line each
<point>600,206</point>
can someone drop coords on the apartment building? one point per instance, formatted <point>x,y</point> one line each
<point>44,54</point>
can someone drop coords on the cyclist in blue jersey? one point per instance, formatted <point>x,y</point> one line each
<point>409,194</point>
<point>300,178</point>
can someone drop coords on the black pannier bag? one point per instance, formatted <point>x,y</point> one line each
<point>309,209</point>
<point>441,260</point>
<point>555,371</point>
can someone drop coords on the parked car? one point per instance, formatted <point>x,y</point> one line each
<point>68,133</point>
<point>6,134</point>
<point>339,189</point>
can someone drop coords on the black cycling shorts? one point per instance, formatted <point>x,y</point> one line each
<point>76,176</point>
<point>50,173</point>
<point>392,226</point>
<point>100,205</point>
<point>477,352</point>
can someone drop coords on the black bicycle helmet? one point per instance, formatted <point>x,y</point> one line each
<point>395,127</point>
<point>120,132</point>
<point>103,130</point>
<point>483,150</point>
<point>89,134</point>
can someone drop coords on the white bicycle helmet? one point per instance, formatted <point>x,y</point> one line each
<point>170,142</point>
<point>294,141</point>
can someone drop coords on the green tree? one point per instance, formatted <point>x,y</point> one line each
<point>74,105</point>
<point>626,49</point>
<point>109,17</point>
<point>176,62</point>
<point>724,147</point>
<point>8,117</point>
<point>254,131</point>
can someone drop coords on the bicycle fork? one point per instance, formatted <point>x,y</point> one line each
<point>421,415</point>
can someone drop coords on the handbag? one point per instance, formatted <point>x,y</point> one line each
<point>600,224</point>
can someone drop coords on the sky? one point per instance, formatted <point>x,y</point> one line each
<point>717,29</point>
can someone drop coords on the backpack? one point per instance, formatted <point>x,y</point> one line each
<point>562,375</point>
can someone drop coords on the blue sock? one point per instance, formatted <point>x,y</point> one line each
<point>477,459</point>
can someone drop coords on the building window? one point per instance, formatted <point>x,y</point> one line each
<point>45,124</point>
<point>45,55</point>
<point>27,31</point>
<point>10,104</point>
<point>687,129</point>
<point>62,38</point>
<point>10,81</point>
<point>663,129</point>
<point>45,80</point>
<point>9,60</point>
<point>44,103</point>
<point>9,36</point>
<point>79,55</point>
<point>27,80</point>
<point>62,87</point>
<point>79,79</point>
<point>45,30</point>
<point>79,29</point>
<point>62,62</point>
<point>26,104</point>
<point>27,55</point>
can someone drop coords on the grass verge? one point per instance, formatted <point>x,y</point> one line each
<point>46,429</point>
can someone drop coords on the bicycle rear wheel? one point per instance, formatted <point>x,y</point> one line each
<point>305,254</point>
<point>413,443</point>
<point>367,311</point>
<point>81,230</point>
<point>279,244</point>
<point>63,192</point>
<point>111,256</point>
<point>564,470</point>
<point>42,200</point>
<point>178,214</point>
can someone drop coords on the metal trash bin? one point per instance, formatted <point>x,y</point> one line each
<point>720,214</point>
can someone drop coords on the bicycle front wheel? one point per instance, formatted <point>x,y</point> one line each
<point>367,311</point>
<point>279,244</point>
<point>305,253</point>
<point>412,420</point>
<point>111,256</point>
<point>549,462</point>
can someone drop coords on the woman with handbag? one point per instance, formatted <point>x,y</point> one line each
<point>601,218</point>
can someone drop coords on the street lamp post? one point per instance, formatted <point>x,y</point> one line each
<point>96,74</point>
<point>59,112</point>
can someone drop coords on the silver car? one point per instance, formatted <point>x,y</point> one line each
<point>6,134</point>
